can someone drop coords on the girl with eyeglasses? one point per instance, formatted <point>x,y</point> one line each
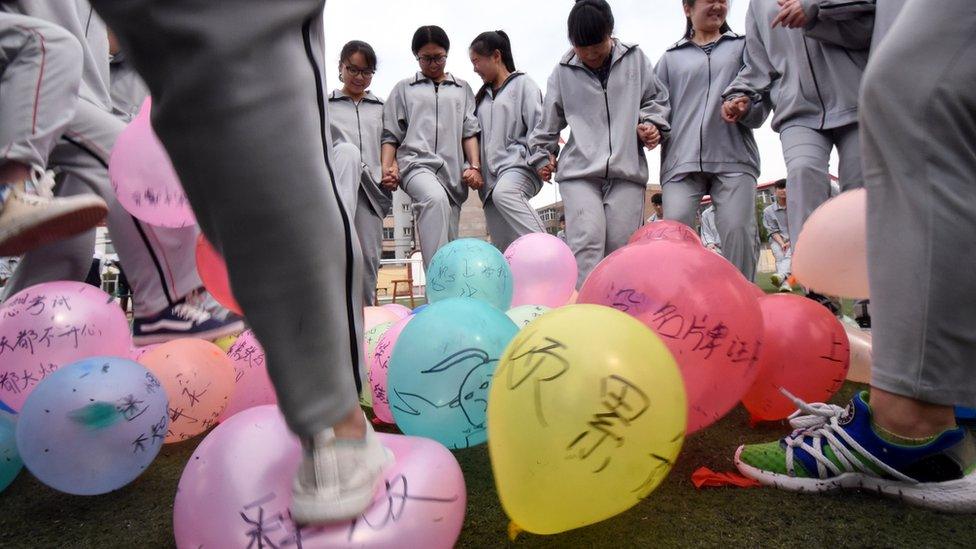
<point>356,117</point>
<point>508,107</point>
<point>605,90</point>
<point>430,131</point>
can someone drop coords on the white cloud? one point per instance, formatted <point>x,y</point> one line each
<point>538,33</point>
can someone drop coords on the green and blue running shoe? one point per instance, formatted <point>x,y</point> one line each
<point>833,448</point>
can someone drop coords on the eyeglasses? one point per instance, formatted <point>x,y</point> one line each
<point>428,60</point>
<point>356,71</point>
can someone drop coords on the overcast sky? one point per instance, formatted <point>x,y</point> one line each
<point>538,32</point>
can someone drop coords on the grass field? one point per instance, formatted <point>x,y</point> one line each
<point>140,515</point>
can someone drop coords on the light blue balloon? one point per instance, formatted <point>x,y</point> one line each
<point>10,462</point>
<point>93,426</point>
<point>441,370</point>
<point>470,268</point>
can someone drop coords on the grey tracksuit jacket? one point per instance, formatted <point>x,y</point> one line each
<point>507,117</point>
<point>603,142</point>
<point>700,140</point>
<point>362,125</point>
<point>427,123</point>
<point>811,76</point>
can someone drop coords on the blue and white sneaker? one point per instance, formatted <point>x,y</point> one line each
<point>183,320</point>
<point>834,448</point>
<point>203,299</point>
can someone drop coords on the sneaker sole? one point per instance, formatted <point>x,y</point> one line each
<point>313,511</point>
<point>956,496</point>
<point>20,240</point>
<point>216,333</point>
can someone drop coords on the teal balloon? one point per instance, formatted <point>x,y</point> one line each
<point>470,268</point>
<point>10,462</point>
<point>441,370</point>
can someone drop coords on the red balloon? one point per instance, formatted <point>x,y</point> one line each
<point>805,351</point>
<point>702,309</point>
<point>665,230</point>
<point>213,273</point>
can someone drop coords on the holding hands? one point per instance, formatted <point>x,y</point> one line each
<point>734,109</point>
<point>649,135</point>
<point>391,177</point>
<point>472,178</point>
<point>545,173</point>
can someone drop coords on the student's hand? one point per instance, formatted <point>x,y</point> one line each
<point>472,178</point>
<point>734,109</point>
<point>649,135</point>
<point>786,246</point>
<point>545,173</point>
<point>791,15</point>
<point>391,177</point>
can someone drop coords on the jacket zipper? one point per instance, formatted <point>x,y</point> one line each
<point>816,86</point>
<point>701,128</point>
<point>437,119</point>
<point>606,101</point>
<point>359,128</point>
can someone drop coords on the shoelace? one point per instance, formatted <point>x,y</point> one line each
<point>41,183</point>
<point>190,312</point>
<point>820,421</point>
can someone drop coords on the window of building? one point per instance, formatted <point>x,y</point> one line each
<point>408,231</point>
<point>388,233</point>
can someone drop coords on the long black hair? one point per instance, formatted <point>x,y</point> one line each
<point>590,22</point>
<point>430,34</point>
<point>486,44</point>
<point>690,30</point>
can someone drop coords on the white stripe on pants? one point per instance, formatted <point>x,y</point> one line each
<point>734,197</point>
<point>241,109</point>
<point>508,213</point>
<point>919,121</point>
<point>601,215</point>
<point>807,155</point>
<point>437,216</point>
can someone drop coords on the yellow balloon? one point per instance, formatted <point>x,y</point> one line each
<point>226,342</point>
<point>586,415</point>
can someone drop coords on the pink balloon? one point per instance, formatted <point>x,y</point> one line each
<point>136,353</point>
<point>831,252</point>
<point>805,351</point>
<point>379,369</point>
<point>399,310</point>
<point>701,307</point>
<point>373,316</point>
<point>143,176</point>
<point>252,386</point>
<point>236,491</point>
<point>573,298</point>
<point>543,270</point>
<point>665,229</point>
<point>51,325</point>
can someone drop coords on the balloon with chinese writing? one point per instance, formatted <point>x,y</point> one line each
<point>374,316</point>
<point>198,378</point>
<point>666,229</point>
<point>143,176</point>
<point>399,310</point>
<point>213,273</point>
<point>236,489</point>
<point>10,462</point>
<point>702,309</point>
<point>805,351</point>
<point>442,367</point>
<point>470,268</point>
<point>252,386</point>
<point>544,270</point>
<point>379,366</point>
<point>93,426</point>
<point>50,325</point>
<point>370,338</point>
<point>585,418</point>
<point>524,314</point>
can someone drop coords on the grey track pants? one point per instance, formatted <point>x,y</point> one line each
<point>369,224</point>
<point>159,263</point>
<point>600,217</point>
<point>807,155</point>
<point>508,213</point>
<point>437,216</point>
<point>918,117</point>
<point>40,71</point>
<point>240,105</point>
<point>734,197</point>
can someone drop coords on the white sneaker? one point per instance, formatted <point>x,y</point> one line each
<point>337,477</point>
<point>785,287</point>
<point>31,216</point>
